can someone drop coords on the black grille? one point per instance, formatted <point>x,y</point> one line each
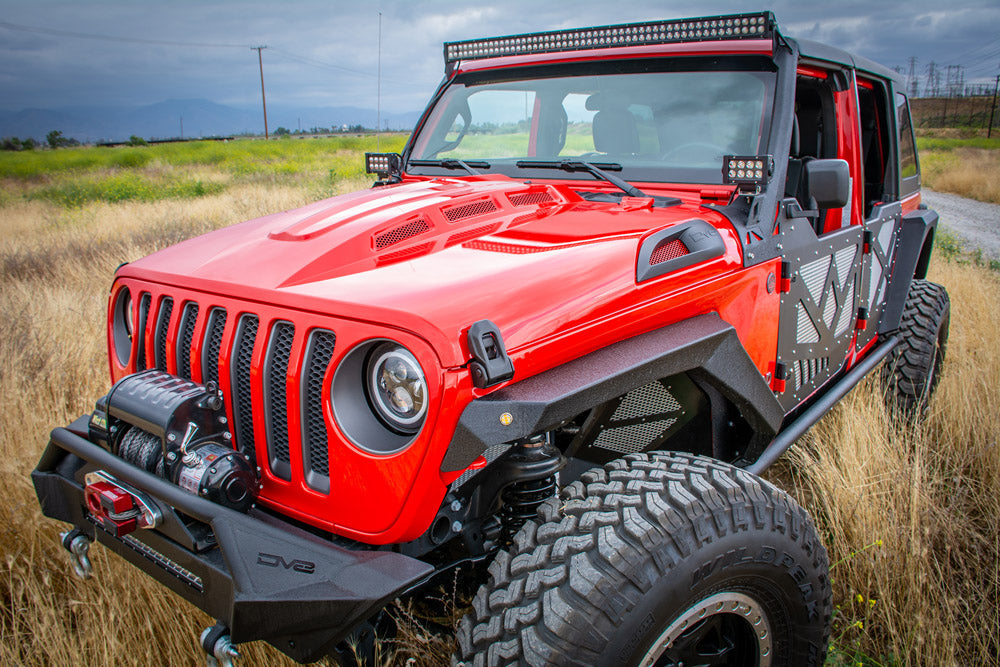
<point>140,331</point>
<point>246,335</point>
<point>275,397</point>
<point>212,345</point>
<point>188,318</point>
<point>162,326</point>
<point>314,445</point>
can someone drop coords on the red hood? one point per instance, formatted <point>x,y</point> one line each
<point>435,256</point>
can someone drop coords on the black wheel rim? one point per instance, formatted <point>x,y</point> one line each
<point>727,628</point>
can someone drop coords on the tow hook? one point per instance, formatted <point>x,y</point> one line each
<point>219,649</point>
<point>77,544</point>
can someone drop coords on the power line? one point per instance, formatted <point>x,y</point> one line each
<point>112,38</point>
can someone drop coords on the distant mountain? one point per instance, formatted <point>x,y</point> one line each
<point>197,117</point>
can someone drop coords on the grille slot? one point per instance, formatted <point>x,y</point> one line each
<point>189,316</point>
<point>666,251</point>
<point>401,233</point>
<point>529,198</point>
<point>279,350</point>
<point>315,447</point>
<point>162,328</point>
<point>482,207</point>
<point>212,345</point>
<point>140,332</point>
<point>243,342</point>
<point>475,232</point>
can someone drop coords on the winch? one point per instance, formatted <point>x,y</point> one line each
<point>176,429</point>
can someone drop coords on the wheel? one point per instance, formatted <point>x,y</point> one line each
<point>914,367</point>
<point>656,559</point>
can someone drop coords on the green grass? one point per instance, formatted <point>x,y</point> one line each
<point>73,177</point>
<point>936,144</point>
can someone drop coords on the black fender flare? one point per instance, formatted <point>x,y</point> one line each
<point>913,254</point>
<point>705,346</point>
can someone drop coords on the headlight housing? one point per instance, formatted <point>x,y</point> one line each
<point>396,387</point>
<point>379,396</point>
<point>122,314</point>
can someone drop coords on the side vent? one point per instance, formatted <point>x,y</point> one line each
<point>162,328</point>
<point>212,345</point>
<point>677,247</point>
<point>189,316</point>
<point>315,447</point>
<point>529,198</point>
<point>668,250</point>
<point>279,349</point>
<point>140,331</point>
<point>482,207</point>
<point>243,342</point>
<point>401,233</point>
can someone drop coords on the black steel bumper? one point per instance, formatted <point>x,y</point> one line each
<point>263,578</point>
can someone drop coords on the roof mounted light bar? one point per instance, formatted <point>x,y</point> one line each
<point>760,25</point>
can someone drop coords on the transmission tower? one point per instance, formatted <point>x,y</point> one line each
<point>911,77</point>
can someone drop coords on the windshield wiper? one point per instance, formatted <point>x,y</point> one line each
<point>598,169</point>
<point>469,166</point>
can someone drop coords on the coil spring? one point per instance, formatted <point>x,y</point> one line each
<point>521,501</point>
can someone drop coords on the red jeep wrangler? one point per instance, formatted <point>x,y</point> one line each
<point>614,274</point>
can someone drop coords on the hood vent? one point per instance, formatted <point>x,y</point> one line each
<point>405,253</point>
<point>475,232</point>
<point>667,251</point>
<point>401,233</point>
<point>529,198</point>
<point>481,207</point>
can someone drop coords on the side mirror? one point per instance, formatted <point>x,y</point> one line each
<point>828,182</point>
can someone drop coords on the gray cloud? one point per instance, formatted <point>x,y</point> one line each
<point>325,52</point>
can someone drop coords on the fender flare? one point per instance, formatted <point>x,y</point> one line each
<point>704,346</point>
<point>913,254</point>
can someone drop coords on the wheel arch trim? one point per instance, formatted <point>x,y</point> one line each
<point>705,346</point>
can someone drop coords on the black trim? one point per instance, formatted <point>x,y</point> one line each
<point>913,249</point>
<point>704,346</point>
<point>266,580</point>
<point>702,240</point>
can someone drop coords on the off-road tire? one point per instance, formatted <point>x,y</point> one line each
<point>914,367</point>
<point>641,545</point>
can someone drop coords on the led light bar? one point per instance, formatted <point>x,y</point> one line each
<point>383,164</point>
<point>734,26</point>
<point>747,172</point>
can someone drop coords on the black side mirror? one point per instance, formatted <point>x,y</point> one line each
<point>828,182</point>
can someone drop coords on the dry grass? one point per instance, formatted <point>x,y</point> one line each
<point>930,493</point>
<point>966,171</point>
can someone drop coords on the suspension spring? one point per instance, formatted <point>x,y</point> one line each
<point>521,501</point>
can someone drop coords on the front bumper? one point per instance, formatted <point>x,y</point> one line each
<point>263,578</point>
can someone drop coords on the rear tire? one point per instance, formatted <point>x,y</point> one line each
<point>914,367</point>
<point>656,559</point>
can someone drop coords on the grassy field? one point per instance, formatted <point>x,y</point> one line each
<point>965,162</point>
<point>909,512</point>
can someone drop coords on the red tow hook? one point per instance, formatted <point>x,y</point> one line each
<point>116,507</point>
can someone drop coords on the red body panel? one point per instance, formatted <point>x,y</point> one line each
<point>517,265</point>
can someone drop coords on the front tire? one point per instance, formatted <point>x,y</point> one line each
<point>657,559</point>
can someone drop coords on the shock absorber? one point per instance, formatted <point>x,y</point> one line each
<point>532,464</point>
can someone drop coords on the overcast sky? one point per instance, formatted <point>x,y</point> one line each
<point>324,52</point>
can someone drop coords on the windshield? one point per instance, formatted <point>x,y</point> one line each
<point>660,123</point>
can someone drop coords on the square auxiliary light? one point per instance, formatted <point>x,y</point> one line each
<point>747,172</point>
<point>383,164</point>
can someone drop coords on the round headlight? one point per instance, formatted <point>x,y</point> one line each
<point>396,387</point>
<point>121,325</point>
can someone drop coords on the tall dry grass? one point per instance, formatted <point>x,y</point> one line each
<point>930,492</point>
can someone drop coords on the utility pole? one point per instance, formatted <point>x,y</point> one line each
<point>993,104</point>
<point>182,127</point>
<point>378,114</point>
<point>263,99</point>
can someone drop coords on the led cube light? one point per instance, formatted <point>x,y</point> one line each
<point>747,172</point>
<point>383,164</point>
<point>734,26</point>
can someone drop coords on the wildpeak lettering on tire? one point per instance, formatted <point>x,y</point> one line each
<point>544,359</point>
